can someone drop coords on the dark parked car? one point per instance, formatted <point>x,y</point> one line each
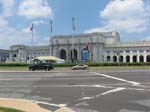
<point>41,65</point>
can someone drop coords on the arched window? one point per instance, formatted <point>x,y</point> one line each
<point>134,58</point>
<point>141,58</point>
<point>14,55</point>
<point>148,58</point>
<point>62,54</point>
<point>114,58</point>
<point>121,59</point>
<point>127,58</point>
<point>108,58</point>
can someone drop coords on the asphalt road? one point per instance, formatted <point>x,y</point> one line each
<point>82,91</point>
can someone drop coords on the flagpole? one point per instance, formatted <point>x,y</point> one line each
<point>31,29</point>
<point>73,28</point>
<point>32,37</point>
<point>51,33</point>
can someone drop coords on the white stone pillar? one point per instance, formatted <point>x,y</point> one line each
<point>144,57</point>
<point>138,58</point>
<point>131,58</point>
<point>124,58</point>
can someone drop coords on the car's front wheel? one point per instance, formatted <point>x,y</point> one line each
<point>47,69</point>
<point>31,69</point>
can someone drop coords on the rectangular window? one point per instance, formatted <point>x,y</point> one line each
<point>141,51</point>
<point>134,51</point>
<point>108,51</point>
<point>121,51</point>
<point>127,51</point>
<point>147,50</point>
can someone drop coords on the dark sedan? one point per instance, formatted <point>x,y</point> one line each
<point>41,65</point>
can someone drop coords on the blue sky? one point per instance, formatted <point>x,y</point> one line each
<point>131,18</point>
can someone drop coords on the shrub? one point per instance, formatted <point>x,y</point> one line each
<point>72,64</point>
<point>13,64</point>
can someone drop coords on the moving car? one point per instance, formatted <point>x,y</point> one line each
<point>80,67</point>
<point>41,65</point>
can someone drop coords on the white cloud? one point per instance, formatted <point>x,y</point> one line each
<point>7,7</point>
<point>3,22</point>
<point>129,16</point>
<point>43,41</point>
<point>11,36</point>
<point>39,22</point>
<point>35,9</point>
<point>26,30</point>
<point>123,9</point>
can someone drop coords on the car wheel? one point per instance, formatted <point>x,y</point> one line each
<point>31,69</point>
<point>47,69</point>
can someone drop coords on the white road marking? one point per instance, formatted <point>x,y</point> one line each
<point>36,86</point>
<point>119,79</point>
<point>95,86</point>
<point>51,104</point>
<point>111,91</point>
<point>19,79</point>
<point>102,94</point>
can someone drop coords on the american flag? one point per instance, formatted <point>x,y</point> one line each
<point>51,22</point>
<point>73,24</point>
<point>31,28</point>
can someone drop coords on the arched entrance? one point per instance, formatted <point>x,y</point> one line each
<point>62,54</point>
<point>128,59</point>
<point>134,58</point>
<point>114,58</point>
<point>108,58</point>
<point>74,54</point>
<point>148,58</point>
<point>141,58</point>
<point>121,59</point>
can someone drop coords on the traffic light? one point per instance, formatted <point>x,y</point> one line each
<point>87,47</point>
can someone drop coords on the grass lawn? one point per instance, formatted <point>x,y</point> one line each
<point>11,68</point>
<point>2,109</point>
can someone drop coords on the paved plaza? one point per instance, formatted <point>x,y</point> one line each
<point>126,90</point>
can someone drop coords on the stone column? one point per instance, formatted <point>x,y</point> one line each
<point>124,58</point>
<point>98,49</point>
<point>68,53</point>
<point>131,58</point>
<point>138,58</point>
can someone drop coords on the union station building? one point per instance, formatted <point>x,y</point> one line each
<point>93,47</point>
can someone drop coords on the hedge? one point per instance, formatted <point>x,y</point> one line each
<point>72,64</point>
<point>13,64</point>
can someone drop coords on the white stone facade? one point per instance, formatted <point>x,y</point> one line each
<point>102,47</point>
<point>22,53</point>
<point>4,55</point>
<point>62,46</point>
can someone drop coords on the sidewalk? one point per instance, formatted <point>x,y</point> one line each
<point>27,105</point>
